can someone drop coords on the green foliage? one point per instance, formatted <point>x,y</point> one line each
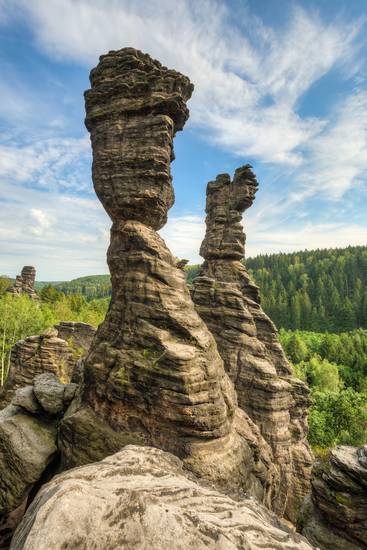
<point>91,287</point>
<point>338,418</point>
<point>347,350</point>
<point>315,290</point>
<point>192,271</point>
<point>5,283</point>
<point>19,317</point>
<point>335,367</point>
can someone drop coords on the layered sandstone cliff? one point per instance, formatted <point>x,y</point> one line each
<point>228,301</point>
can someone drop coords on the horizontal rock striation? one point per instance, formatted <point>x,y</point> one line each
<point>153,371</point>
<point>140,498</point>
<point>228,301</point>
<point>24,283</point>
<point>37,355</point>
<point>79,335</point>
<point>335,517</point>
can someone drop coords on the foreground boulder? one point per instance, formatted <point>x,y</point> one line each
<point>28,445</point>
<point>24,283</point>
<point>229,303</point>
<point>142,498</point>
<point>335,517</point>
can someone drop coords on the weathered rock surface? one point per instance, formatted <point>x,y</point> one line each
<point>24,283</point>
<point>153,373</point>
<point>37,355</point>
<point>335,517</point>
<point>228,301</point>
<point>141,498</point>
<point>27,446</point>
<point>80,335</point>
<point>49,392</point>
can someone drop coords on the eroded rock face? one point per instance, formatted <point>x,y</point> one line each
<point>228,301</point>
<point>24,283</point>
<point>134,108</point>
<point>153,372</point>
<point>36,355</point>
<point>335,517</point>
<point>28,445</point>
<point>142,497</point>
<point>79,335</point>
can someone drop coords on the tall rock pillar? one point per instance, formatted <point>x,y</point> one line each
<point>228,301</point>
<point>153,374</point>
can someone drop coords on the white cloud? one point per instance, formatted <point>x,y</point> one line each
<point>183,235</point>
<point>43,161</point>
<point>41,222</point>
<point>306,236</point>
<point>337,157</point>
<point>247,83</point>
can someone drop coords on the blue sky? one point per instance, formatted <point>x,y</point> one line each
<point>280,84</point>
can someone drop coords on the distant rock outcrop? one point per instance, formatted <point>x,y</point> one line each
<point>142,498</point>
<point>24,283</point>
<point>57,351</point>
<point>37,355</point>
<point>335,516</point>
<point>228,301</point>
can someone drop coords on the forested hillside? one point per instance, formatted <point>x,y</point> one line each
<point>93,286</point>
<point>314,290</point>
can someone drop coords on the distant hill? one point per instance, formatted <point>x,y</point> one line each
<point>91,286</point>
<point>321,290</point>
<point>318,290</point>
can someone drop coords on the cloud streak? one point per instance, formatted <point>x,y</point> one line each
<point>250,81</point>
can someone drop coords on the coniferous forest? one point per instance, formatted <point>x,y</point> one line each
<point>319,290</point>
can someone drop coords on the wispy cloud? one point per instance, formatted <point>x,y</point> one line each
<point>250,80</point>
<point>47,163</point>
<point>337,157</point>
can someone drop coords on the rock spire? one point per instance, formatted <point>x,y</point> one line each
<point>228,301</point>
<point>153,371</point>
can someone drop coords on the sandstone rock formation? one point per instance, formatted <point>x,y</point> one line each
<point>335,517</point>
<point>142,498</point>
<point>79,335</point>
<point>228,301</point>
<point>28,444</point>
<point>37,355</point>
<point>153,374</point>
<point>24,283</point>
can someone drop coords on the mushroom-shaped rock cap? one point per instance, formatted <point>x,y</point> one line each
<point>130,81</point>
<point>133,109</point>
